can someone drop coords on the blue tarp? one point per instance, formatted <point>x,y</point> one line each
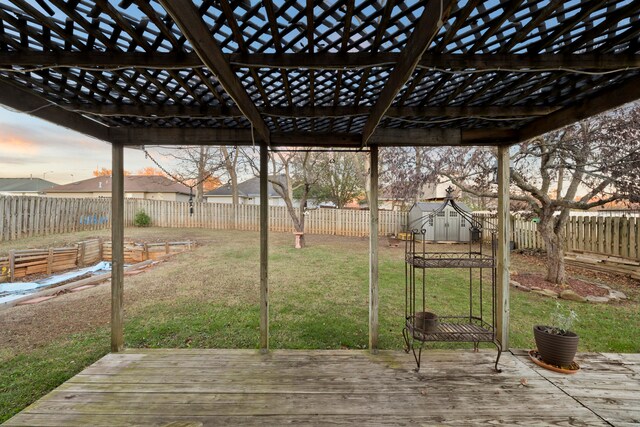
<point>11,291</point>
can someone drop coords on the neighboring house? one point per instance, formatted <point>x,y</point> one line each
<point>248,194</point>
<point>24,186</point>
<point>428,192</point>
<point>147,187</point>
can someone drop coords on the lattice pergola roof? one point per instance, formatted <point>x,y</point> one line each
<point>333,72</point>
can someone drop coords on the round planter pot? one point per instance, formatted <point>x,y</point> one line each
<point>554,349</point>
<point>426,322</point>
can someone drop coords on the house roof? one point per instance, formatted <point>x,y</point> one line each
<point>330,73</point>
<point>132,184</point>
<point>248,188</point>
<point>25,184</point>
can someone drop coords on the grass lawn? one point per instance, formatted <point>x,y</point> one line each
<point>209,298</point>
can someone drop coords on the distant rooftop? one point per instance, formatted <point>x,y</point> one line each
<point>248,188</point>
<point>21,185</point>
<point>132,184</point>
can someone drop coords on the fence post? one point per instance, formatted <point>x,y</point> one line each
<point>624,238</point>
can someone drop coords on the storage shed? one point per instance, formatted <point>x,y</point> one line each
<point>441,221</point>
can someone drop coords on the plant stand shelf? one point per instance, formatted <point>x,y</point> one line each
<point>423,264</point>
<point>454,332</point>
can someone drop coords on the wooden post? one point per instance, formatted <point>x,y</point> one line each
<point>82,250</point>
<point>117,248</point>
<point>504,225</point>
<point>264,249</point>
<point>373,251</point>
<point>50,261</point>
<point>12,265</point>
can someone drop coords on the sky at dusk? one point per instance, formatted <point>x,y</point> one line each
<point>33,147</point>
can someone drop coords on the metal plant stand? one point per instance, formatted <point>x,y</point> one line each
<point>423,322</point>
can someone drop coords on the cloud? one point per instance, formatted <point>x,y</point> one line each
<point>33,147</point>
<point>15,143</point>
<point>13,160</point>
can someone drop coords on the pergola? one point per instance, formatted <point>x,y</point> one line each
<point>361,74</point>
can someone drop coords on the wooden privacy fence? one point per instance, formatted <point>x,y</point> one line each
<point>610,236</point>
<point>342,222</point>
<point>39,216</point>
<point>27,216</point>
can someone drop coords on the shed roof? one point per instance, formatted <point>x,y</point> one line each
<point>432,206</point>
<point>132,184</point>
<point>248,188</point>
<point>25,184</point>
<point>338,73</point>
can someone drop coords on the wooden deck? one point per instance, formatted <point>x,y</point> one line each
<point>194,387</point>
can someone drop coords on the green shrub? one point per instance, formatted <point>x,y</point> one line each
<point>142,219</point>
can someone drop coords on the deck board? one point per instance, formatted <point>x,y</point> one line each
<point>201,387</point>
<point>608,384</point>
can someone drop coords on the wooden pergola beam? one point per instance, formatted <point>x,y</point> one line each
<point>306,111</point>
<point>449,61</point>
<point>186,16</point>
<point>26,101</point>
<point>433,16</point>
<point>606,99</point>
<point>133,137</point>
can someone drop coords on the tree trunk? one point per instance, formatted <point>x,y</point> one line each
<point>366,175</point>
<point>199,192</point>
<point>298,221</point>
<point>553,237</point>
<point>230,166</point>
<point>202,170</point>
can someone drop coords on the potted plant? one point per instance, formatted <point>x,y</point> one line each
<point>557,344</point>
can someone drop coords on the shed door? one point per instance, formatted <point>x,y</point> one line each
<point>441,226</point>
<point>447,225</point>
<point>453,226</point>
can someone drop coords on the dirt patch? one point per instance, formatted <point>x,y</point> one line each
<point>28,327</point>
<point>536,280</point>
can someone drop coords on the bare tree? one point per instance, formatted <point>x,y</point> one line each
<point>196,164</point>
<point>230,156</point>
<point>341,178</point>
<point>291,171</point>
<point>589,164</point>
<point>405,170</point>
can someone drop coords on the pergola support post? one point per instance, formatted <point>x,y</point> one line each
<point>117,245</point>
<point>373,250</point>
<point>264,249</point>
<point>504,247</point>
